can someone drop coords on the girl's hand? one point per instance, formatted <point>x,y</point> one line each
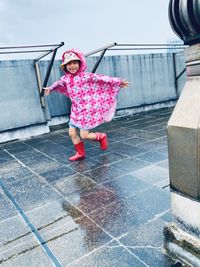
<point>46,90</point>
<point>124,84</point>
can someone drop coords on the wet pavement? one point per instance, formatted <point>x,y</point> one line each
<point>106,211</point>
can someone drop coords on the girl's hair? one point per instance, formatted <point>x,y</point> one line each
<point>65,66</point>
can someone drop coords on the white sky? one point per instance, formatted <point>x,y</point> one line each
<point>84,24</point>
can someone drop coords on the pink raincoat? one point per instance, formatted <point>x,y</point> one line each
<point>93,96</point>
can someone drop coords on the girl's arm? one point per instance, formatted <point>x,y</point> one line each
<point>113,81</point>
<point>104,79</point>
<point>58,86</point>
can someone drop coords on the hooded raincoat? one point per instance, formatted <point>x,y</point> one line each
<point>93,96</point>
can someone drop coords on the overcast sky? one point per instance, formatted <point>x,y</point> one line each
<point>84,24</point>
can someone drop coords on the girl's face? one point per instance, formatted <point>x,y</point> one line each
<point>73,66</point>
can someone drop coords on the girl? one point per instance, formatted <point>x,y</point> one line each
<point>93,98</point>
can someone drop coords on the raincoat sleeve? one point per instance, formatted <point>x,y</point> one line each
<point>59,86</point>
<point>103,80</point>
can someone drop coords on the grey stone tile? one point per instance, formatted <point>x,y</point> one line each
<point>129,165</point>
<point>31,183</point>
<point>164,164</point>
<point>126,149</point>
<point>152,156</point>
<point>119,217</point>
<point>57,174</point>
<point>15,228</point>
<point>135,141</point>
<point>84,165</point>
<point>40,163</point>
<point>74,183</point>
<point>108,256</point>
<point>53,213</point>
<point>28,155</point>
<point>152,174</point>
<point>153,257</point>
<point>144,235</point>
<point>5,157</point>
<point>104,173</point>
<point>105,158</point>
<point>77,242</point>
<point>148,200</point>
<point>93,199</point>
<point>6,207</point>
<point>17,147</point>
<point>15,174</point>
<point>146,242</point>
<point>126,186</point>
<point>34,258</point>
<point>150,145</point>
<point>36,197</point>
<point>9,167</point>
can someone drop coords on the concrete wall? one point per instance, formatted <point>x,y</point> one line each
<point>151,78</point>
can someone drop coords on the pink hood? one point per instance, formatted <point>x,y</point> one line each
<point>83,66</point>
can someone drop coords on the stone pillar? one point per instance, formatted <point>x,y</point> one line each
<point>182,236</point>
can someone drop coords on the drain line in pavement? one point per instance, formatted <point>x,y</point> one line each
<point>31,226</point>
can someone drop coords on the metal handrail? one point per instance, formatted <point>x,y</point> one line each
<point>35,49</point>
<point>114,46</point>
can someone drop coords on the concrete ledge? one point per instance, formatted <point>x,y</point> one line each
<point>24,133</point>
<point>182,245</point>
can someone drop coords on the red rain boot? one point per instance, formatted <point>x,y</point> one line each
<point>80,152</point>
<point>102,138</point>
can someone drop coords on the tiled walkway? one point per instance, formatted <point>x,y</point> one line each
<point>106,211</point>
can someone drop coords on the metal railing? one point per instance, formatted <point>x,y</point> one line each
<point>141,47</point>
<point>45,49</point>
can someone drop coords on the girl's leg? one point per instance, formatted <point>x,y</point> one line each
<point>100,137</point>
<point>73,133</point>
<point>85,134</point>
<point>78,144</point>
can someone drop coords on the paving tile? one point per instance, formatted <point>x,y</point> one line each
<point>119,217</point>
<point>78,240</point>
<point>5,157</point>
<point>74,183</point>
<point>152,174</point>
<point>56,174</point>
<point>148,200</point>
<point>104,173</point>
<point>126,186</point>
<point>150,145</point>
<point>36,197</point>
<point>129,165</point>
<point>15,174</point>
<point>40,163</point>
<point>109,256</point>
<point>152,157</point>
<point>6,207</point>
<point>85,165</point>
<point>32,183</point>
<point>52,213</point>
<point>15,228</point>
<point>34,258</point>
<point>93,199</point>
<point>126,149</point>
<point>17,147</point>
<point>146,242</point>
<point>163,163</point>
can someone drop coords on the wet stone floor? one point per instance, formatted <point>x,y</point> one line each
<point>106,211</point>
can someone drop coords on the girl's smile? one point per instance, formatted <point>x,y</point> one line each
<point>73,66</point>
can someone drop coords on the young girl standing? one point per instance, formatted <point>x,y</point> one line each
<point>93,98</point>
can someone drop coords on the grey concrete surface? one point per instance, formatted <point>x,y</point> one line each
<point>106,211</point>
